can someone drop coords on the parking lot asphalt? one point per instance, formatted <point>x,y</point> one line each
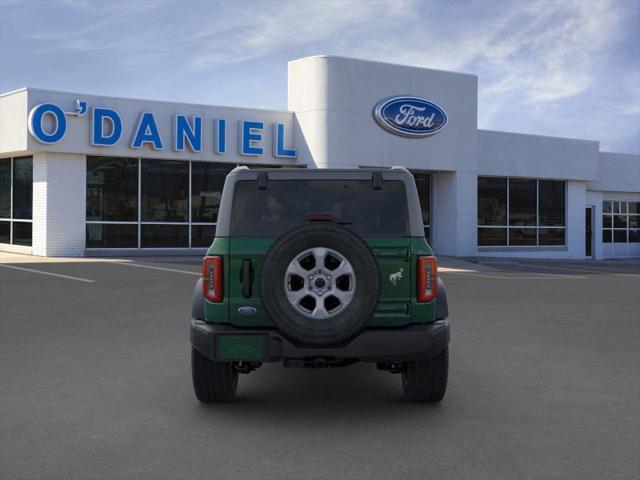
<point>95,383</point>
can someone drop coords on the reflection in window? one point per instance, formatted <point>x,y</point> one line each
<point>551,203</point>
<point>112,189</point>
<point>526,208</point>
<point>164,236</point>
<point>165,188</point>
<point>522,202</point>
<point>119,188</point>
<point>22,187</point>
<point>5,231</point>
<point>202,235</point>
<point>288,203</point>
<point>16,200</point>
<point>423,185</point>
<point>619,236</point>
<point>492,236</point>
<point>5,188</point>
<point>522,236</point>
<point>492,201</point>
<point>22,233</point>
<point>551,236</point>
<point>207,180</point>
<point>620,221</point>
<point>110,235</point>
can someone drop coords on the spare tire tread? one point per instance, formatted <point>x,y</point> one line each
<point>334,330</point>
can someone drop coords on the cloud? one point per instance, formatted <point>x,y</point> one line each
<point>294,24</point>
<point>541,64</point>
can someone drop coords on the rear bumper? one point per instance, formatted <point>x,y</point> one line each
<point>227,343</point>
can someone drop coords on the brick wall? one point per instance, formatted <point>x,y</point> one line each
<point>59,197</point>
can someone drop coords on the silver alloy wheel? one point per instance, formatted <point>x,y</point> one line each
<point>319,283</point>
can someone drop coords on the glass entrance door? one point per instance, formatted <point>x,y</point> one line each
<point>588,233</point>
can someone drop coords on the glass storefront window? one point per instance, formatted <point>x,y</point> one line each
<point>164,236</point>
<point>522,202</point>
<point>207,180</point>
<point>144,203</point>
<point>551,203</point>
<point>620,221</point>
<point>202,235</point>
<point>22,187</point>
<point>112,235</point>
<point>492,201</point>
<point>165,191</point>
<point>619,236</point>
<point>488,237</point>
<point>551,236</point>
<point>22,233</point>
<point>532,212</point>
<point>5,231</point>
<point>5,188</point>
<point>112,189</point>
<point>423,185</point>
<point>16,200</point>
<point>522,236</point>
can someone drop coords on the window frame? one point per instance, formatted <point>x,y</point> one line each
<point>616,210</point>
<point>139,223</point>
<point>538,226</point>
<point>11,219</point>
<point>426,228</point>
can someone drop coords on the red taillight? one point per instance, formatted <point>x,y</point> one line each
<point>427,279</point>
<point>212,279</point>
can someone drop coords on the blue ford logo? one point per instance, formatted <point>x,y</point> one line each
<point>247,310</point>
<point>410,116</point>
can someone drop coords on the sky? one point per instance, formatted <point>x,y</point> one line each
<point>568,68</point>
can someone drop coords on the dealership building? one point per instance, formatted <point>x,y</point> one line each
<point>94,175</point>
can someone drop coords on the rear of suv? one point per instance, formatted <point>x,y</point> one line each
<point>319,268</point>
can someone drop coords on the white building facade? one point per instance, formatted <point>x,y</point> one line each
<point>93,175</point>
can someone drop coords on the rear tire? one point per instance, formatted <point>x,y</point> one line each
<point>426,380</point>
<point>213,382</point>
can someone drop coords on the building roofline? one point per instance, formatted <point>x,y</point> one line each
<point>193,104</point>
<point>11,92</point>
<point>541,136</point>
<point>342,57</point>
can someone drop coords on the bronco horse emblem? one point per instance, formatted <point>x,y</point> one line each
<point>394,277</point>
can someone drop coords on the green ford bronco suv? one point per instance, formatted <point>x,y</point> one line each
<point>319,268</point>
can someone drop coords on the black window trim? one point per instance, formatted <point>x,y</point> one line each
<point>537,226</point>
<point>611,215</point>
<point>11,219</point>
<point>139,223</point>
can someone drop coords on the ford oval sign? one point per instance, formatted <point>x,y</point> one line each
<point>410,116</point>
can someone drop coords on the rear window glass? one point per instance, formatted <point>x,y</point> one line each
<point>285,204</point>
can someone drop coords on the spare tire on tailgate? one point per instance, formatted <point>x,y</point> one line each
<point>319,284</point>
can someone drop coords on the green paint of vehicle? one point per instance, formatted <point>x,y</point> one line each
<point>397,263</point>
<point>240,347</point>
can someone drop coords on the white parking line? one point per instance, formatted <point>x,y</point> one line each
<point>533,276</point>
<point>58,275</point>
<point>580,268</point>
<point>164,269</point>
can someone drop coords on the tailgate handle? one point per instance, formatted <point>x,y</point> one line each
<point>405,254</point>
<point>246,278</point>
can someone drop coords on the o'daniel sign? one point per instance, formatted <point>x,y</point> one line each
<point>411,117</point>
<point>48,123</point>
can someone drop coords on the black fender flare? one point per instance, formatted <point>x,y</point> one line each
<point>197,303</point>
<point>442,308</point>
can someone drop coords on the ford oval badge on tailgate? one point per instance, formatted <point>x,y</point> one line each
<point>247,310</point>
